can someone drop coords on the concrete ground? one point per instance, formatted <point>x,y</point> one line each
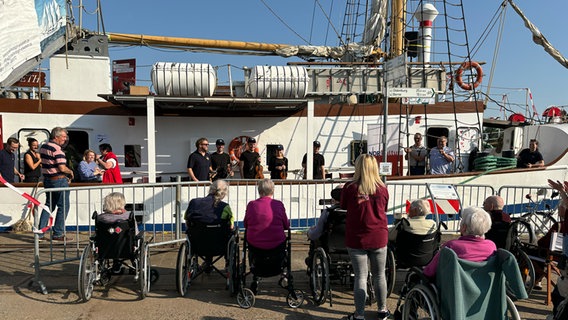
<point>207,297</point>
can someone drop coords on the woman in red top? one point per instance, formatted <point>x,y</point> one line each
<point>109,162</point>
<point>366,234</point>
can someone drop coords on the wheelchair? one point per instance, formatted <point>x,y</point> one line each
<point>516,243</point>
<point>114,246</point>
<point>421,298</point>
<point>267,263</point>
<point>329,261</point>
<point>208,243</point>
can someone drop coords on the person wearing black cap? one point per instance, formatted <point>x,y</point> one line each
<point>199,162</point>
<point>318,165</point>
<point>249,160</point>
<point>220,162</point>
<point>278,164</point>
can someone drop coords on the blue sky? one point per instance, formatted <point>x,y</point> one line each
<point>520,64</point>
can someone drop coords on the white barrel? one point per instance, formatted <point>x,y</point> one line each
<point>183,79</point>
<point>278,82</point>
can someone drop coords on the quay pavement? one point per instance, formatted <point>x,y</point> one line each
<point>207,298</point>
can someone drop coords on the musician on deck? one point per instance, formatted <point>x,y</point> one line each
<point>220,162</point>
<point>249,160</point>
<point>278,164</point>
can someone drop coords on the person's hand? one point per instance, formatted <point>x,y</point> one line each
<point>557,185</point>
<point>21,177</point>
<point>529,165</point>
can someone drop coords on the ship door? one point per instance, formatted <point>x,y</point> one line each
<point>432,135</point>
<point>41,135</point>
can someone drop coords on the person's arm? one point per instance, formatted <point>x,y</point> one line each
<point>16,172</point>
<point>63,168</point>
<point>109,164</point>
<point>449,156</point>
<point>242,168</point>
<point>84,171</point>
<point>316,231</point>
<point>30,162</point>
<point>191,174</point>
<point>227,214</point>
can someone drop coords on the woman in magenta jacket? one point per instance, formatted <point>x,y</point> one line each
<point>366,234</point>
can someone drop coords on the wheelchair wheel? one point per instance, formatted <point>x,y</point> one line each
<point>144,270</point>
<point>526,268</point>
<point>233,267</point>
<point>520,231</point>
<point>512,312</point>
<point>87,273</point>
<point>183,274</point>
<point>295,299</point>
<point>319,277</point>
<point>420,303</point>
<point>390,271</point>
<point>245,298</point>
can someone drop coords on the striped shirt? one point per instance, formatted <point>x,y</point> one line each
<point>51,157</point>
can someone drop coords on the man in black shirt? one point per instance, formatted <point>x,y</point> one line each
<point>318,165</point>
<point>530,157</point>
<point>220,162</point>
<point>249,160</point>
<point>199,162</point>
<point>7,160</point>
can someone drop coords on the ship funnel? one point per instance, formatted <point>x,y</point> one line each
<point>425,14</point>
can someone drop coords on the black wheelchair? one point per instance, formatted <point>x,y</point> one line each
<point>267,263</point>
<point>421,298</point>
<point>208,243</point>
<point>329,261</point>
<point>113,247</point>
<point>514,237</point>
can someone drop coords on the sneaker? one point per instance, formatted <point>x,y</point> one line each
<point>383,315</point>
<point>537,286</point>
<point>61,238</point>
<point>254,286</point>
<point>352,317</point>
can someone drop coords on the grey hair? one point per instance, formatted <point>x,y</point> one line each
<point>476,221</point>
<point>56,132</point>
<point>113,202</point>
<point>265,187</point>
<point>219,190</point>
<point>422,206</point>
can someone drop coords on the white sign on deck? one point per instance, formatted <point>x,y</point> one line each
<point>385,168</point>
<point>443,191</point>
<point>411,92</point>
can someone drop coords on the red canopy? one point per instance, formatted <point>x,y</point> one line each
<point>517,117</point>
<point>552,112</point>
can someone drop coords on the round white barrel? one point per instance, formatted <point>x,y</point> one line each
<point>278,82</point>
<point>183,79</point>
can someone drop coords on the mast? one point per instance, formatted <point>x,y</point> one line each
<point>398,10</point>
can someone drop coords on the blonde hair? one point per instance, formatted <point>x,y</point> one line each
<point>219,190</point>
<point>114,202</point>
<point>367,174</point>
<point>87,152</point>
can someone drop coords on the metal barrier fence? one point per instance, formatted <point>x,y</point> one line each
<point>159,208</point>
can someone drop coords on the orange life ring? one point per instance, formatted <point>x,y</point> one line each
<point>466,66</point>
<point>237,146</point>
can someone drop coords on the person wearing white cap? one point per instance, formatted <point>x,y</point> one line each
<point>220,162</point>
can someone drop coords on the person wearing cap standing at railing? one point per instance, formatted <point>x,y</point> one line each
<point>220,162</point>
<point>248,160</point>
<point>318,165</point>
<point>278,164</point>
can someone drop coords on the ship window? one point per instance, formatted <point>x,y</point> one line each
<point>132,155</point>
<point>78,143</point>
<point>433,134</point>
<point>356,148</point>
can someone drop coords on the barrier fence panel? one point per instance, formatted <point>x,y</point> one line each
<point>159,208</point>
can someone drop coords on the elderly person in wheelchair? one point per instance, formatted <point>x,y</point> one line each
<point>265,222</point>
<point>415,240</point>
<point>476,279</point>
<point>204,213</point>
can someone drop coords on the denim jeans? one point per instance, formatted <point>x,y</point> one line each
<point>59,199</point>
<point>360,259</point>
